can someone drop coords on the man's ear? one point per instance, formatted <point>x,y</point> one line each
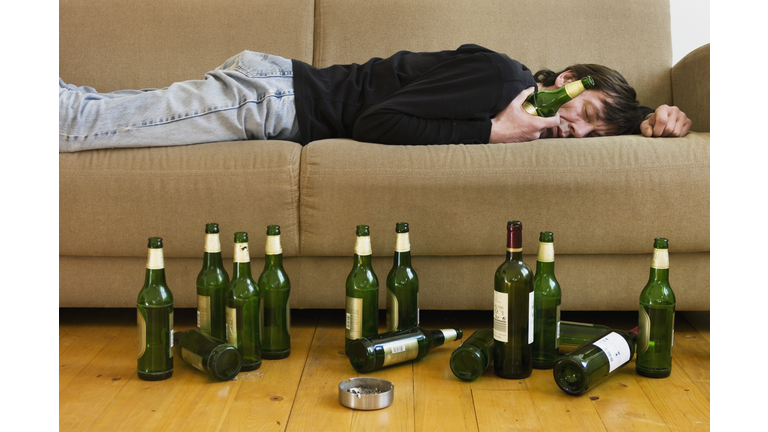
<point>564,78</point>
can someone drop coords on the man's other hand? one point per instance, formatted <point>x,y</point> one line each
<point>666,121</point>
<point>514,124</point>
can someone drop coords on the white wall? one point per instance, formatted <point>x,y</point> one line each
<point>690,26</point>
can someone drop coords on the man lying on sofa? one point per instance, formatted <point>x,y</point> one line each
<point>470,95</point>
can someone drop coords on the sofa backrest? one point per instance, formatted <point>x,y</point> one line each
<point>114,44</point>
<point>633,37</point>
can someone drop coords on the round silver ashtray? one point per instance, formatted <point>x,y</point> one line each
<point>366,393</point>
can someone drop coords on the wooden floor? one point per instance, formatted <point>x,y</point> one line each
<point>99,388</point>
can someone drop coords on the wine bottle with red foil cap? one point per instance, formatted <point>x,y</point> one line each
<point>513,310</point>
<point>275,289</point>
<point>588,365</point>
<point>546,310</point>
<point>390,348</point>
<point>154,307</point>
<point>212,284</point>
<point>362,300</point>
<point>545,103</point>
<point>402,285</point>
<point>656,333</point>
<point>244,307</point>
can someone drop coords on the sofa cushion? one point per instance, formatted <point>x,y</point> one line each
<point>112,201</point>
<point>598,195</point>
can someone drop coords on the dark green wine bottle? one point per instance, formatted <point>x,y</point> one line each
<point>473,357</point>
<point>513,310</point>
<point>585,367</point>
<point>244,307</point>
<point>212,284</point>
<point>386,349</point>
<point>575,334</point>
<point>656,323</point>
<point>546,306</point>
<point>545,103</point>
<point>276,294</point>
<point>362,302</point>
<point>154,308</point>
<point>207,354</point>
<point>402,285</point>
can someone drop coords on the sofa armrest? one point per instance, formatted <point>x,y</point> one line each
<point>690,87</point>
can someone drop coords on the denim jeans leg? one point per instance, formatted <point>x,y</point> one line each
<point>250,97</point>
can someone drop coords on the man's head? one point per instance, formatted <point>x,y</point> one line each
<point>610,107</point>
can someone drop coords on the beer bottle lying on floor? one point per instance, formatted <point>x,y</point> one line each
<point>207,354</point>
<point>386,349</point>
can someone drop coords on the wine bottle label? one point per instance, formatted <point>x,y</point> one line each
<point>402,243</point>
<point>546,252</point>
<point>449,335</point>
<point>354,318</point>
<point>363,246</point>
<point>142,335</point>
<point>193,359</point>
<point>273,247</point>
<point>574,88</point>
<point>393,311</point>
<point>530,317</point>
<point>615,348</point>
<point>660,259</point>
<point>155,259</point>
<point>241,253</point>
<point>400,351</point>
<point>204,313</point>
<point>500,316</point>
<point>212,243</point>
<point>231,326</point>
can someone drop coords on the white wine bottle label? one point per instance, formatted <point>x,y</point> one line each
<point>155,259</point>
<point>615,348</point>
<point>354,318</point>
<point>530,317</point>
<point>241,253</point>
<point>400,351</point>
<point>212,243</point>
<point>142,334</point>
<point>449,335</point>
<point>273,247</point>
<point>500,316</point>
<point>363,246</point>
<point>193,359</point>
<point>546,252</point>
<point>402,243</point>
<point>393,311</point>
<point>660,259</point>
<point>204,313</point>
<point>232,326</point>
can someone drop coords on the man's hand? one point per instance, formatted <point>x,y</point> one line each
<point>666,121</point>
<point>513,124</point>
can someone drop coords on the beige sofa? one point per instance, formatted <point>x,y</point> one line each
<point>605,199</point>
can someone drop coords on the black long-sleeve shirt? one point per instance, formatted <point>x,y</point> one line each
<point>445,97</point>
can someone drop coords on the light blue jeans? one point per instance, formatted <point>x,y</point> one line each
<point>249,97</point>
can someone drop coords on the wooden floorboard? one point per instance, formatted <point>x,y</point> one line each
<point>99,389</point>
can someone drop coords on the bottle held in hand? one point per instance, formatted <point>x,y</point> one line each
<point>545,103</point>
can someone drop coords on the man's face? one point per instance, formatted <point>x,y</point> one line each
<point>579,118</point>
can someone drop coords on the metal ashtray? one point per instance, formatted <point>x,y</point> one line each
<point>366,393</point>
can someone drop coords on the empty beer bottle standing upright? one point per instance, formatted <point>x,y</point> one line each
<point>513,310</point>
<point>243,306</point>
<point>656,321</point>
<point>275,288</point>
<point>212,284</point>
<point>154,308</point>
<point>402,285</point>
<point>545,103</point>
<point>546,306</point>
<point>362,301</point>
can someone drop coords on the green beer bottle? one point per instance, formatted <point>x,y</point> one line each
<point>588,365</point>
<point>154,308</point>
<point>386,349</point>
<point>275,294</point>
<point>212,284</point>
<point>656,323</point>
<point>545,103</point>
<point>402,285</point>
<point>362,302</point>
<point>546,306</point>
<point>513,310</point>
<point>575,334</point>
<point>473,356</point>
<point>243,306</point>
<point>208,355</point>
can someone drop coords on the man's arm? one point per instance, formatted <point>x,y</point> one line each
<point>666,121</point>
